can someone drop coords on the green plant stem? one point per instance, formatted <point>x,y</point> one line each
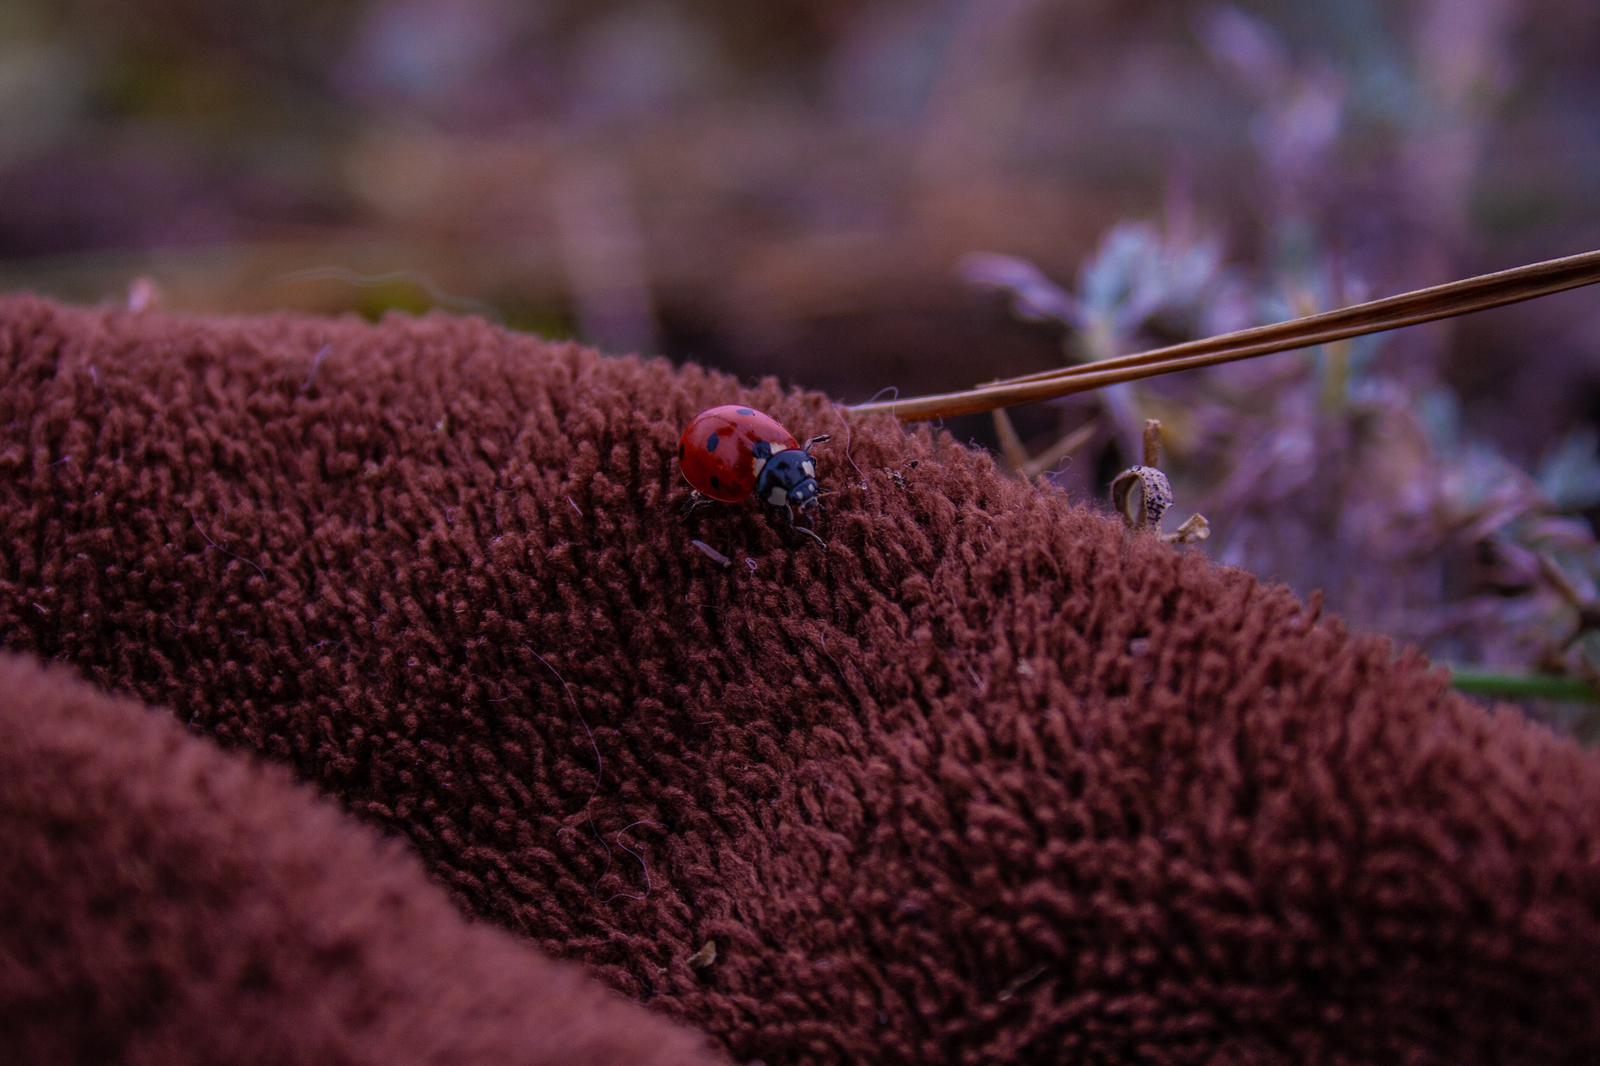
<point>1522,686</point>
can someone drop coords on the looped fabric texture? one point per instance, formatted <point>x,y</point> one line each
<point>988,781</point>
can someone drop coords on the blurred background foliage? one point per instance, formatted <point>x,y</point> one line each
<point>917,195</point>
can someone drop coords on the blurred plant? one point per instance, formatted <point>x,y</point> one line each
<point>1338,477</point>
<point>1538,568</point>
<point>1139,282</point>
<point>1355,480</point>
<point>1330,471</point>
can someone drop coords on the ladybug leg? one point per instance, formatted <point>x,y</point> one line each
<point>816,440</point>
<point>788,512</point>
<point>696,500</point>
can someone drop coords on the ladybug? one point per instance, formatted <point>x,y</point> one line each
<point>731,451</point>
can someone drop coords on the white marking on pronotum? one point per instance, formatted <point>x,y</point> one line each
<point>778,496</point>
<point>809,467</point>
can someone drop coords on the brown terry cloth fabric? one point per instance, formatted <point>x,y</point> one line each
<point>986,782</point>
<point>165,903</point>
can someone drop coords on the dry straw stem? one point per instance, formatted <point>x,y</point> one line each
<point>1017,454</point>
<point>1376,316</point>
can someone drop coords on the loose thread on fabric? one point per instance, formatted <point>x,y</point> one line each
<point>223,550</point>
<point>642,864</point>
<point>599,761</point>
<point>316,365</point>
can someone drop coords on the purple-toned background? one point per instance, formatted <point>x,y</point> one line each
<point>797,188</point>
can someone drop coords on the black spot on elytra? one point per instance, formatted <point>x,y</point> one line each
<point>762,450</point>
<point>715,483</point>
<point>745,411</point>
<point>711,443</point>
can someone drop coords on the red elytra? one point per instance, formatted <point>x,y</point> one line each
<point>716,451</point>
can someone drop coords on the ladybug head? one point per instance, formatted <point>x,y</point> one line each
<point>789,479</point>
<point>804,495</point>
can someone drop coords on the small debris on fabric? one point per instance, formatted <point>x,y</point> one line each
<point>143,294</point>
<point>712,553</point>
<point>704,957</point>
<point>1020,982</point>
<point>316,364</point>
